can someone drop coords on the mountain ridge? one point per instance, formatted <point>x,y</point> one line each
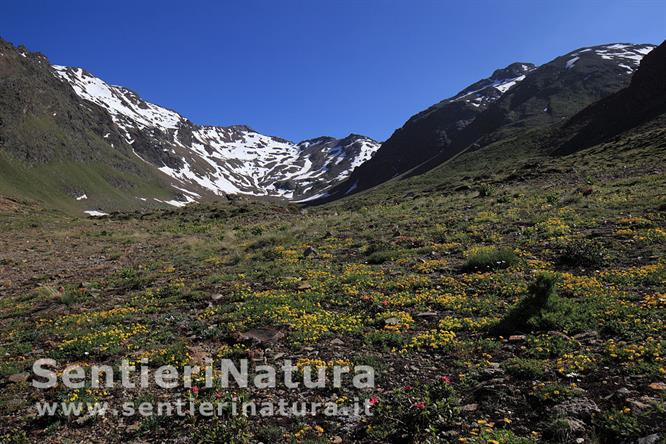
<point>194,162</point>
<point>222,153</point>
<point>545,95</point>
<point>55,114</point>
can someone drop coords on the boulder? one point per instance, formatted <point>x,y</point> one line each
<point>582,408</point>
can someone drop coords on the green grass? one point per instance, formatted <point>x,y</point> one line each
<point>55,184</point>
<point>488,259</point>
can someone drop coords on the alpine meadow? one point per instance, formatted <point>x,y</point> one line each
<point>493,272</point>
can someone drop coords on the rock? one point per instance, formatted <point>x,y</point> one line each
<point>426,314</point>
<point>491,390</point>
<point>650,439</point>
<point>470,407</point>
<point>516,338</point>
<point>637,406</point>
<point>18,377</point>
<point>586,336</point>
<point>261,335</point>
<point>492,371</point>
<point>623,391</point>
<point>658,386</point>
<point>578,408</point>
<point>574,426</point>
<point>304,286</point>
<point>217,297</point>
<point>392,321</point>
<point>336,439</point>
<point>310,251</point>
<point>337,341</point>
<point>199,356</point>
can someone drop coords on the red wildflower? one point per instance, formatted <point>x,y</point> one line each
<point>384,302</point>
<point>195,390</point>
<point>445,379</point>
<point>373,400</point>
<point>407,388</point>
<point>420,405</point>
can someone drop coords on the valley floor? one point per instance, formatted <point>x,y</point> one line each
<point>523,308</point>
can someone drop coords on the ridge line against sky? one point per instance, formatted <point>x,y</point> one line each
<point>302,69</point>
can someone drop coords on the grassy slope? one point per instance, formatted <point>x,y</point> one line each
<point>508,161</point>
<point>57,183</point>
<point>594,220</point>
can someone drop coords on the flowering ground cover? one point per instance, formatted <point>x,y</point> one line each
<point>530,312</point>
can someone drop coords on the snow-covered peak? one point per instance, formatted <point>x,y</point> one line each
<point>246,162</point>
<point>627,56</point>
<point>486,91</point>
<point>125,107</point>
<point>221,160</point>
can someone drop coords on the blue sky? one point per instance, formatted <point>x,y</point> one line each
<point>305,68</point>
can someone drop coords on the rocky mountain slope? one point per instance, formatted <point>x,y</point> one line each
<point>54,114</point>
<point>101,146</point>
<point>519,97</point>
<point>642,100</point>
<point>232,159</point>
<point>52,147</point>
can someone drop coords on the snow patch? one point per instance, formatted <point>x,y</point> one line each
<point>626,56</point>
<point>95,213</point>
<point>571,62</point>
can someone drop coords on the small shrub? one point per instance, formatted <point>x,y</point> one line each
<point>582,254</point>
<point>490,258</point>
<point>385,340</point>
<point>486,190</point>
<point>269,434</point>
<point>232,431</point>
<point>522,368</point>
<point>379,257</point>
<point>518,318</point>
<point>560,430</point>
<point>265,241</point>
<point>616,426</point>
<point>553,198</point>
<point>130,279</point>
<point>418,413</point>
<point>563,314</point>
